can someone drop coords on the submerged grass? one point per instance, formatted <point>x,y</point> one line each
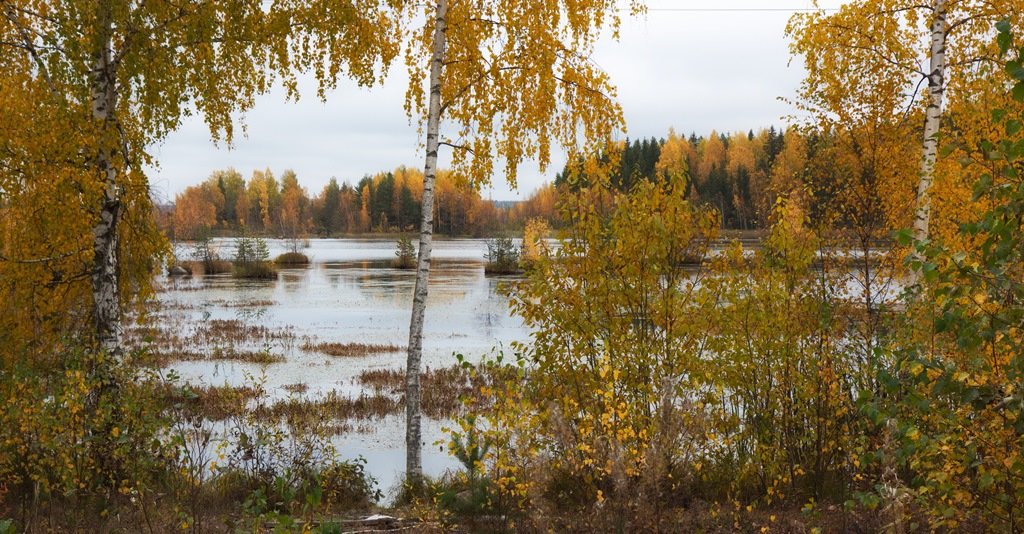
<point>172,338</point>
<point>238,331</point>
<point>349,349</point>
<point>215,403</point>
<point>217,353</point>
<point>443,392</point>
<point>442,389</point>
<point>258,303</point>
<point>297,388</point>
<point>332,405</point>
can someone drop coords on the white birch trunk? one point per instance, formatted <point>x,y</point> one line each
<point>106,305</point>
<point>933,117</point>
<point>413,432</point>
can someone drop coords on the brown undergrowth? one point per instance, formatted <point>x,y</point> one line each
<point>215,403</point>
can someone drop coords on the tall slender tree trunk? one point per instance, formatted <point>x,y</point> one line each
<point>932,119</point>
<point>106,304</point>
<point>413,433</point>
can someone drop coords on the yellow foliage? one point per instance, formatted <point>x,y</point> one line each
<point>534,245</point>
<point>508,88</point>
<point>608,382</point>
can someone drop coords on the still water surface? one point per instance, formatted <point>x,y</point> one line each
<point>350,294</point>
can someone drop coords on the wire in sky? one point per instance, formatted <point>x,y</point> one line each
<point>738,9</point>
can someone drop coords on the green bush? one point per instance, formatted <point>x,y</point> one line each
<point>958,413</point>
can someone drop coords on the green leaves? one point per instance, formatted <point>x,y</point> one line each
<point>1004,39</point>
<point>959,388</point>
<point>1012,127</point>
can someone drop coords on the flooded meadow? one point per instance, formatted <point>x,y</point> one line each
<point>331,336</point>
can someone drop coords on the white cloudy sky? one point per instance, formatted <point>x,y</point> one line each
<point>695,65</point>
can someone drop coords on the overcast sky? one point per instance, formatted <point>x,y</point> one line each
<point>676,67</point>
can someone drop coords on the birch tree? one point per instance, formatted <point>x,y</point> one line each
<point>871,58</point>
<point>509,80</point>
<point>122,75</point>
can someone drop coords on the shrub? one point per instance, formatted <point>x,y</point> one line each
<point>281,469</point>
<point>207,257</point>
<point>959,415</point>
<point>213,267</point>
<point>405,254</point>
<point>502,256</point>
<point>292,466</point>
<point>292,258</point>
<point>77,440</point>
<point>607,411</point>
<point>252,259</point>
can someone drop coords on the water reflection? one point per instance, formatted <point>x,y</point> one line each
<point>292,280</point>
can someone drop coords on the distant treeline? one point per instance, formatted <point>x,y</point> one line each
<point>385,202</point>
<point>739,174</point>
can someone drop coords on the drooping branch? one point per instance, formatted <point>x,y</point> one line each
<point>30,46</point>
<point>913,98</point>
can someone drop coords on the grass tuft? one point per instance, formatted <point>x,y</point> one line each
<point>349,349</point>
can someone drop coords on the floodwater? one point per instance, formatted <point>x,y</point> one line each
<point>351,294</point>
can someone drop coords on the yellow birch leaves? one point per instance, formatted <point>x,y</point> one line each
<point>517,81</point>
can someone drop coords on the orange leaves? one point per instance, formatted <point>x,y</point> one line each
<point>195,211</point>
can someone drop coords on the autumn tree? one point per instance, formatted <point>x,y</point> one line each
<point>121,76</point>
<point>541,204</point>
<point>232,186</point>
<point>264,194</point>
<point>510,78</point>
<point>195,211</point>
<point>867,53</point>
<point>673,159</point>
<point>955,397</point>
<point>295,218</point>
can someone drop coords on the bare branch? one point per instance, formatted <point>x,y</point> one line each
<point>913,98</point>
<point>36,261</point>
<point>456,147</point>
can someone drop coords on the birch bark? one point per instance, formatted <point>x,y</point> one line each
<point>413,432</point>
<point>933,117</point>
<point>107,307</point>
